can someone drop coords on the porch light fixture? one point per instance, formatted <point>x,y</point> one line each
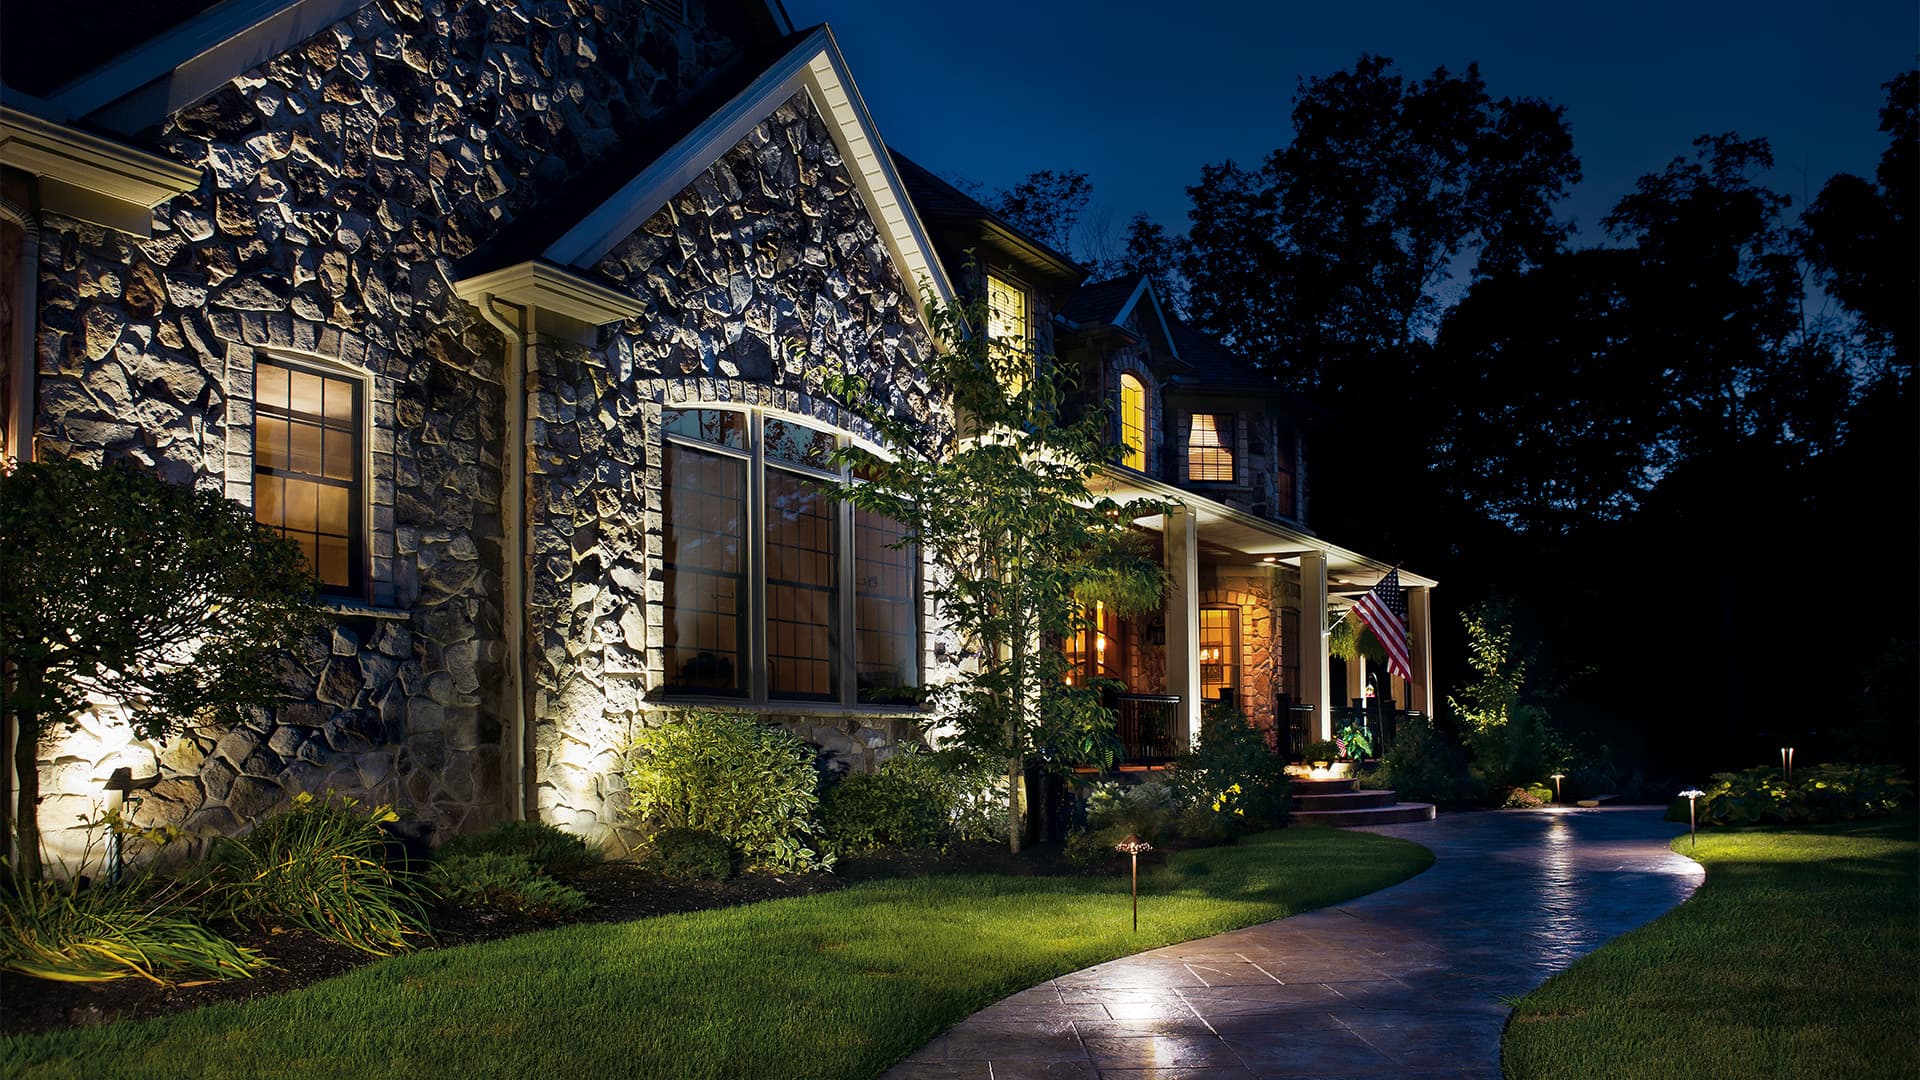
<point>1556,778</point>
<point>1693,834</point>
<point>1786,762</point>
<point>1132,846</point>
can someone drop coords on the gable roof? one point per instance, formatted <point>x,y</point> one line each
<point>1214,365</point>
<point>1109,303</point>
<point>941,201</point>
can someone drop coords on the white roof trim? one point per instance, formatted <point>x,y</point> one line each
<point>92,178</point>
<point>179,67</point>
<point>815,66</point>
<point>551,288</point>
<point>1146,289</point>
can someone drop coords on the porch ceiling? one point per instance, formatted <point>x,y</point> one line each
<point>1225,532</point>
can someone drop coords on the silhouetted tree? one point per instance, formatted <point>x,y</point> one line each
<point>1046,205</point>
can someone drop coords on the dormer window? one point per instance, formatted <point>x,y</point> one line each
<point>1009,322</point>
<point>1210,448</point>
<point>1133,422</point>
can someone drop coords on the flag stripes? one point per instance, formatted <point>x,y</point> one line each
<point>1384,610</point>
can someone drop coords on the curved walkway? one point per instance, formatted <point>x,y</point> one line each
<point>1406,982</point>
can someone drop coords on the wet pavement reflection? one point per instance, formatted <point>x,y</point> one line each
<point>1406,982</point>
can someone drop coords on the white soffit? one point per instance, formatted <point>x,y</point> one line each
<point>91,178</point>
<point>816,66</point>
<point>551,288</point>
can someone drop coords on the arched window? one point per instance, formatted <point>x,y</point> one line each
<point>1133,422</point>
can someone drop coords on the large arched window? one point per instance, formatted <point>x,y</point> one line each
<point>1133,421</point>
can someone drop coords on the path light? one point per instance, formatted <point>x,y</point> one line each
<point>1556,778</point>
<point>1786,762</point>
<point>1132,846</point>
<point>1693,834</point>
<point>120,786</point>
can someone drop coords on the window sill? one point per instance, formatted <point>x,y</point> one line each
<point>357,609</point>
<point>793,708</point>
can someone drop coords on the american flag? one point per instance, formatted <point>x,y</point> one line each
<point>1384,610</point>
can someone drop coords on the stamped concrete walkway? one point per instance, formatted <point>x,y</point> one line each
<point>1405,983</point>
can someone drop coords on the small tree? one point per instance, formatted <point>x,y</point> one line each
<point>116,585</point>
<point>1021,547</point>
<point>1510,737</point>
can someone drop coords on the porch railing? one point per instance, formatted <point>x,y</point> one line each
<point>1146,726</point>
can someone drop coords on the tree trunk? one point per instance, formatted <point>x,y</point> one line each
<point>1014,776</point>
<point>26,775</point>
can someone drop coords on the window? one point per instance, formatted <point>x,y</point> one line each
<point>1009,324</point>
<point>308,481</point>
<point>1099,649</point>
<point>1219,651</point>
<point>1210,447</point>
<point>758,556</point>
<point>1133,422</point>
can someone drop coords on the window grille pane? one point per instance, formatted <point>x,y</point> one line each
<point>796,443</point>
<point>307,470</point>
<point>1210,447</point>
<point>1009,324</point>
<point>886,630</point>
<point>722,427</point>
<point>803,655</point>
<point>705,511</point>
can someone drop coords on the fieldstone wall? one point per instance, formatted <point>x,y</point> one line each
<point>761,276</point>
<point>341,181</point>
<point>1252,596</point>
<point>1257,441</point>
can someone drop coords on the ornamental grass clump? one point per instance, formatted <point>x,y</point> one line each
<point>63,931</point>
<point>546,849</point>
<point>501,881</point>
<point>320,865</point>
<point>728,774</point>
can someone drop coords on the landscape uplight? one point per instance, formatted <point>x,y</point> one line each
<point>1786,762</point>
<point>1132,846</point>
<point>1693,834</point>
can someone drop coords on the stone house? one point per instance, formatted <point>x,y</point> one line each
<point>513,313</point>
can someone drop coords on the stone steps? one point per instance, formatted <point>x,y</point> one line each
<point>1328,786</point>
<point>1341,800</point>
<point>1374,815</point>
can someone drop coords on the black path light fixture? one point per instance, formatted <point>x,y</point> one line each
<point>1786,762</point>
<point>1693,820</point>
<point>1556,778</point>
<point>120,786</point>
<point>1132,846</point>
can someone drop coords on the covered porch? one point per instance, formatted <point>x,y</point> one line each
<point>1245,619</point>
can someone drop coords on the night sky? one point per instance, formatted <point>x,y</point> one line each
<point>1139,95</point>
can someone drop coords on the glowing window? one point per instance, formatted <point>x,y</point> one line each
<point>1219,651</point>
<point>1098,650</point>
<point>705,516</point>
<point>307,474</point>
<point>1133,422</point>
<point>1009,327</point>
<point>1210,447</point>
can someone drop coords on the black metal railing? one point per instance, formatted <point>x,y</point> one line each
<point>1146,727</point>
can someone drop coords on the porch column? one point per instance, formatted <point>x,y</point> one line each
<point>1314,681</point>
<point>1183,617</point>
<point>1419,627</point>
<point>1356,678</point>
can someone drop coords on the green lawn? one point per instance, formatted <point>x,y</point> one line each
<point>1799,957</point>
<point>837,985</point>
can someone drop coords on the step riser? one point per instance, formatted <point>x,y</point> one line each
<point>1385,815</point>
<point>1353,800</point>
<point>1320,787</point>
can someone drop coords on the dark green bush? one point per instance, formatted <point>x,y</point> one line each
<point>1524,799</point>
<point>1092,849</point>
<point>502,881</point>
<point>879,810</point>
<point>545,848</point>
<point>1821,793</point>
<point>1150,810</point>
<point>1424,765</point>
<point>1320,750</point>
<point>729,774</point>
<point>1233,772</point>
<point>693,854</point>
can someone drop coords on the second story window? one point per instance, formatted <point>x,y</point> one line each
<point>308,483</point>
<point>1133,422</point>
<point>1009,321</point>
<point>1210,448</point>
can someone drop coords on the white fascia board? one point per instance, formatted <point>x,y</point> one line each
<point>553,289</point>
<point>815,66</point>
<point>1152,295</point>
<point>88,177</point>
<point>177,68</point>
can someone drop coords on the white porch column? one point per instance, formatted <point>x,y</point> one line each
<point>1314,682</point>
<point>1183,617</point>
<point>1356,678</point>
<point>1419,627</point>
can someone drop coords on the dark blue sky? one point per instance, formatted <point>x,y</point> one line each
<point>1139,95</point>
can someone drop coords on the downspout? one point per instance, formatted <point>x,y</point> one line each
<point>516,604</point>
<point>18,447</point>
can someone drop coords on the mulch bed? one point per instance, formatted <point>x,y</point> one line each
<point>620,891</point>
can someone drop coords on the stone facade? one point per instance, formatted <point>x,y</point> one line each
<point>342,180</point>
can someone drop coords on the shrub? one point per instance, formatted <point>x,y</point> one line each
<point>502,881</point>
<point>1150,811</point>
<point>320,865</point>
<point>1320,750</point>
<point>1233,772</point>
<point>62,931</point>
<point>545,848</point>
<point>693,854</point>
<point>1522,799</point>
<point>917,799</point>
<point>1424,765</point>
<point>1818,794</point>
<point>733,776</point>
<point>1092,849</point>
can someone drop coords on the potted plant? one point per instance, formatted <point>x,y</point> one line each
<point>1323,755</point>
